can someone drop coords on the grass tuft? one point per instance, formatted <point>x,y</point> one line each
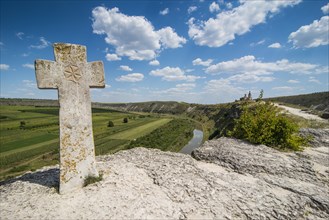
<point>93,179</point>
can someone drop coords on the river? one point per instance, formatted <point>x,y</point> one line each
<point>195,142</point>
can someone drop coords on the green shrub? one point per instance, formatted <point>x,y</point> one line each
<point>22,124</point>
<point>125,120</point>
<point>110,124</point>
<point>92,179</point>
<point>261,123</point>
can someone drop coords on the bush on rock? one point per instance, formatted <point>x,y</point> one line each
<point>262,123</point>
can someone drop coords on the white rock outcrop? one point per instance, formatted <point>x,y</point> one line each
<point>231,179</point>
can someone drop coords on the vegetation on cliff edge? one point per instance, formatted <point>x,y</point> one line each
<point>262,123</point>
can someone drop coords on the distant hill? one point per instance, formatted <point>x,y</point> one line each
<point>151,107</point>
<point>215,119</point>
<point>162,107</point>
<point>316,101</point>
<point>29,102</point>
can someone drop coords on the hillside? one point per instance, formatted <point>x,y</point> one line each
<point>28,102</point>
<point>174,108</point>
<point>214,119</point>
<point>151,107</point>
<point>316,101</point>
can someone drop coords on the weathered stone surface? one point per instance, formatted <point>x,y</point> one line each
<point>305,173</point>
<point>319,137</point>
<point>233,180</point>
<point>73,76</point>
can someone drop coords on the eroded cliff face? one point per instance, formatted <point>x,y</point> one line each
<point>229,179</point>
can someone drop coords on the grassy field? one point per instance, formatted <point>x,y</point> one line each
<point>165,139</point>
<point>29,136</point>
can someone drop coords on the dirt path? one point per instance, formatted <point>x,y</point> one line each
<point>300,113</point>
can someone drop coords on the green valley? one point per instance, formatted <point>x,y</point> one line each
<point>30,135</point>
<point>29,128</point>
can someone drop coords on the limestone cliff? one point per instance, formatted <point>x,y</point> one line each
<point>230,179</point>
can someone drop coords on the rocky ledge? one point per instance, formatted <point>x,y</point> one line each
<point>230,179</point>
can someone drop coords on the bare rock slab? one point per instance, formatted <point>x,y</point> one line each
<point>305,173</point>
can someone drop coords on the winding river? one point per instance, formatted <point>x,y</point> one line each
<point>195,142</point>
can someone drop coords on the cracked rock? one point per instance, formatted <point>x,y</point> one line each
<point>230,179</point>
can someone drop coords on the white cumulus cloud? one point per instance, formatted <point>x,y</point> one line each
<point>249,64</point>
<point>200,62</point>
<point>323,69</point>
<point>20,35</point>
<point>154,63</point>
<point>313,80</point>
<point>164,11</point>
<point>224,89</point>
<point>213,7</point>
<point>249,78</point>
<point>112,57</point>
<point>312,35</point>
<point>4,67</point>
<point>43,44</point>
<point>125,68</point>
<point>257,43</point>
<point>132,77</point>
<point>284,88</point>
<point>133,36</point>
<point>275,45</point>
<point>173,74</point>
<point>325,9</point>
<point>294,81</point>
<point>192,9</point>
<point>180,88</point>
<point>28,65</point>
<point>170,39</point>
<point>29,83</point>
<point>218,31</point>
<point>229,5</point>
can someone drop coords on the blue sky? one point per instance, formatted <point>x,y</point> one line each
<point>192,51</point>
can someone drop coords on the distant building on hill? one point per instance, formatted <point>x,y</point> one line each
<point>246,97</point>
<point>249,96</point>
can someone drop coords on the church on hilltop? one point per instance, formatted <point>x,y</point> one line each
<point>246,97</point>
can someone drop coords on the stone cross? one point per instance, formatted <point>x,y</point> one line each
<point>73,76</point>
